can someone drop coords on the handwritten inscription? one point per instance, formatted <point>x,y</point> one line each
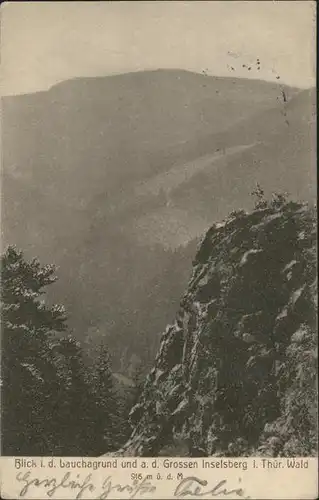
<point>80,486</point>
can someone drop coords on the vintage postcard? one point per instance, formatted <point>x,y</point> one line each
<point>158,250</point>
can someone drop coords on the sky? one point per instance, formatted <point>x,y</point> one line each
<point>43,43</point>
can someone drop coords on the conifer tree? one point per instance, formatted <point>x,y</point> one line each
<point>53,402</point>
<point>28,374</point>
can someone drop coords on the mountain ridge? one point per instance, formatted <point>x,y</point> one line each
<point>177,71</point>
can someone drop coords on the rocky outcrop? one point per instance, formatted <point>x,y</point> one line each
<point>236,372</point>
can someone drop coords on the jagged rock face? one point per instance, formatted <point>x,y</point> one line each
<point>236,371</point>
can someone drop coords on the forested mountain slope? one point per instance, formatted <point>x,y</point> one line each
<point>114,179</point>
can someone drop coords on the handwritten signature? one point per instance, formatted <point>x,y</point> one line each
<point>196,487</point>
<point>51,485</point>
<point>189,486</point>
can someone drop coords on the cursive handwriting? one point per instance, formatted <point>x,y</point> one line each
<point>136,488</point>
<point>79,486</point>
<point>52,484</point>
<point>196,487</point>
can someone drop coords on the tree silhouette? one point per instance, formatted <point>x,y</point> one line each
<point>28,374</point>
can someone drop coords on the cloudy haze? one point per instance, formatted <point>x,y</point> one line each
<point>44,43</point>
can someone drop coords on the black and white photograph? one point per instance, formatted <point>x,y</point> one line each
<point>158,229</point>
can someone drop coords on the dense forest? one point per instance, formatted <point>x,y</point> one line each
<point>57,397</point>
